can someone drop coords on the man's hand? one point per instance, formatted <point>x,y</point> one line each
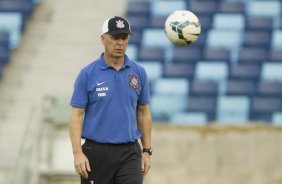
<point>145,163</point>
<point>81,164</point>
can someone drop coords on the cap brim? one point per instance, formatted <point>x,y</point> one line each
<point>116,32</point>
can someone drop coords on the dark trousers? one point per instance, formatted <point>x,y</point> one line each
<point>113,163</point>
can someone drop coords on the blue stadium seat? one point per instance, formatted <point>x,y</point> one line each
<point>270,89</point>
<point>186,54</point>
<point>254,55</point>
<point>276,119</point>
<point>276,39</point>
<point>257,39</point>
<point>4,39</point>
<point>263,107</point>
<point>138,8</point>
<point>221,21</point>
<point>206,22</point>
<point>164,8</point>
<point>4,55</point>
<point>136,38</point>
<point>233,109</point>
<point>232,7</point>
<point>241,87</point>
<point>203,7</point>
<point>189,118</point>
<point>259,24</point>
<point>271,71</point>
<point>24,8</point>
<point>36,1</point>
<point>201,41</point>
<point>245,72</point>
<point>215,71</point>
<point>224,39</point>
<point>155,38</point>
<point>216,54</point>
<point>138,23</point>
<point>171,86</point>
<point>179,70</point>
<point>164,106</point>
<point>203,104</point>
<point>275,55</point>
<point>11,22</point>
<point>203,88</point>
<point>157,22</point>
<point>132,52</point>
<point>151,54</point>
<point>270,8</point>
<point>153,69</point>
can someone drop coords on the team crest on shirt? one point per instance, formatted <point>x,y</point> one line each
<point>133,81</point>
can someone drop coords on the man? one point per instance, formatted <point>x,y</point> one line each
<point>110,110</point>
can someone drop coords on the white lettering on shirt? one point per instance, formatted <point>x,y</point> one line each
<point>102,89</point>
<point>101,94</point>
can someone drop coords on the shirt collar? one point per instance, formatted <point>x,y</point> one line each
<point>104,65</point>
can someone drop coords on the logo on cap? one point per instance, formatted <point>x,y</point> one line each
<point>120,24</point>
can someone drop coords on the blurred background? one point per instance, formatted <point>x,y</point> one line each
<point>216,104</point>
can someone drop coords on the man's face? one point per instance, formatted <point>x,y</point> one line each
<point>115,45</point>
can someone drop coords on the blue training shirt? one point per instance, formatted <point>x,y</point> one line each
<point>110,100</point>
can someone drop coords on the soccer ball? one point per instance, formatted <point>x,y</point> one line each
<point>182,27</point>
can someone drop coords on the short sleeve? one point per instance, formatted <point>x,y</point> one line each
<point>80,93</point>
<point>144,97</point>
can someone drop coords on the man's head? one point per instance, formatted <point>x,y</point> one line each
<point>115,35</point>
<point>116,25</point>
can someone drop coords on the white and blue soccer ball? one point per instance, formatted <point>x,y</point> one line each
<point>182,27</point>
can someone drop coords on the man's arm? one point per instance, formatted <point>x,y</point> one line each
<point>81,163</point>
<point>144,121</point>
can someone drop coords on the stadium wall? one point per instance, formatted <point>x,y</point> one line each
<point>216,155</point>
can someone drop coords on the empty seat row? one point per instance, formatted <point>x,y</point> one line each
<point>224,109</point>
<point>194,54</point>
<point>196,87</point>
<point>161,7</point>
<point>232,39</point>
<point>218,21</point>
<point>214,71</point>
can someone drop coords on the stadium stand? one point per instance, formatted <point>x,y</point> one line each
<point>241,60</point>
<point>13,17</point>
